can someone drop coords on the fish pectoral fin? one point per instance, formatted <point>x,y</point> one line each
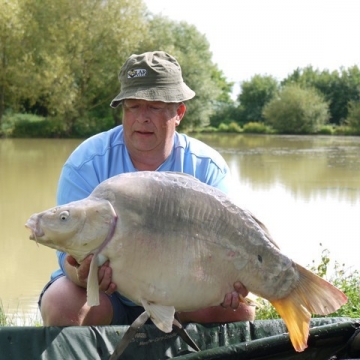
<point>162,316</point>
<point>93,298</point>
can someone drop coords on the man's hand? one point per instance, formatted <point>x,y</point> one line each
<point>79,273</point>
<point>232,309</point>
<point>232,299</point>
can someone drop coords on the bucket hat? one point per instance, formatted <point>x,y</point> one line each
<point>152,76</point>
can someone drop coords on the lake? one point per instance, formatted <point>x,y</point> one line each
<point>305,189</point>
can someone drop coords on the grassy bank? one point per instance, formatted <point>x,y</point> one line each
<point>17,318</point>
<point>32,126</point>
<point>345,279</point>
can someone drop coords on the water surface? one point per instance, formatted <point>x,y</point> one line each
<point>305,189</point>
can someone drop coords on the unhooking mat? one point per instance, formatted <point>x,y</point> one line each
<point>330,339</point>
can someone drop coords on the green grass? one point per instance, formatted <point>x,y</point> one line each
<point>3,321</point>
<point>16,319</point>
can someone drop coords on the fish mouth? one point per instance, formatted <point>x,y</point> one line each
<point>36,231</point>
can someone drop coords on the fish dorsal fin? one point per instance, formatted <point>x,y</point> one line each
<point>265,229</point>
<point>162,316</point>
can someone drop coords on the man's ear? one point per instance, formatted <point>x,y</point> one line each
<point>180,112</point>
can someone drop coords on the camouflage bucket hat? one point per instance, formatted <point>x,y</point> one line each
<point>152,76</point>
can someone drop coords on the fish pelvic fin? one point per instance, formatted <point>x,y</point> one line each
<point>93,297</point>
<point>312,295</point>
<point>250,300</point>
<point>162,316</point>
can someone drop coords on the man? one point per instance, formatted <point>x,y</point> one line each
<point>152,95</point>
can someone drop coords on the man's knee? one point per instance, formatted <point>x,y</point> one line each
<point>64,304</point>
<point>60,302</point>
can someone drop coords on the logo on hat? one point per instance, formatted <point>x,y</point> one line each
<point>136,73</point>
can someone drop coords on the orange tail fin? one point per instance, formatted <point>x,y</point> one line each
<point>312,295</point>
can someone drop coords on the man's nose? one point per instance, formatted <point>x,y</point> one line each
<point>144,114</point>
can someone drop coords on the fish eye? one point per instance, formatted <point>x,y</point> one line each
<point>64,215</point>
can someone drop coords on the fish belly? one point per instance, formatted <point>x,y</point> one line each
<point>184,272</point>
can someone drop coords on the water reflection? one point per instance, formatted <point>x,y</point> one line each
<point>305,189</point>
<point>29,171</point>
<point>307,166</point>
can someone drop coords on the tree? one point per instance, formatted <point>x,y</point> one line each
<point>61,59</point>
<point>345,89</point>
<point>225,110</point>
<point>192,50</point>
<point>11,33</point>
<point>255,94</point>
<point>338,87</point>
<point>70,53</point>
<point>353,119</point>
<point>225,114</point>
<point>297,111</point>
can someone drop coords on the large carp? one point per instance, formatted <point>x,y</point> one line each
<point>175,243</point>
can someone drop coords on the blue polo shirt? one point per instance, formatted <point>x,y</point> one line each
<point>105,155</point>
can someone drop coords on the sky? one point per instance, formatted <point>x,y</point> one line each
<point>272,37</point>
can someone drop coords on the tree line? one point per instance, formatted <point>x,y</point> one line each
<point>60,60</point>
<point>59,63</point>
<point>306,101</point>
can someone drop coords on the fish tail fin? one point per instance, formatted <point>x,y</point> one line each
<point>296,318</point>
<point>312,295</point>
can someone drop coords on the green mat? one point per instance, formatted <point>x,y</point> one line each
<point>330,339</point>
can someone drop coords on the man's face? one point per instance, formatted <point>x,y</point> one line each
<point>150,125</point>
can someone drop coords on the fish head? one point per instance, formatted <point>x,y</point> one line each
<point>77,228</point>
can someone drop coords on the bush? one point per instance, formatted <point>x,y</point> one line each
<point>225,113</point>
<point>256,128</point>
<point>89,126</point>
<point>223,127</point>
<point>326,130</point>
<point>344,130</point>
<point>345,280</point>
<point>29,125</point>
<point>232,127</point>
<point>7,124</point>
<point>207,129</point>
<point>32,126</point>
<point>297,111</point>
<point>353,118</point>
